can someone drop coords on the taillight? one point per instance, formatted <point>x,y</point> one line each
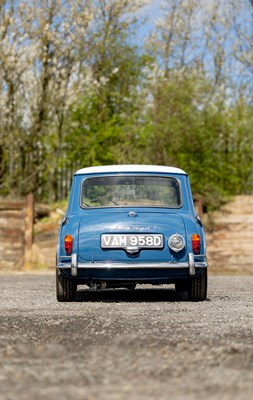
<point>196,243</point>
<point>68,244</point>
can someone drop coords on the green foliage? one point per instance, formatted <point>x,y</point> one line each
<point>208,140</point>
<point>83,93</point>
<point>182,126</point>
<point>102,126</point>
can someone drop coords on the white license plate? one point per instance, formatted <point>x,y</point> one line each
<point>142,241</point>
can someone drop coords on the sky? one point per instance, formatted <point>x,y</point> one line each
<point>153,9</point>
<point>152,12</point>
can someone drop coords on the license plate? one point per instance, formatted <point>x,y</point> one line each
<point>143,241</point>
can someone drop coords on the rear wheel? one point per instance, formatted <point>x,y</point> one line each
<point>65,288</point>
<point>181,286</point>
<point>197,289</point>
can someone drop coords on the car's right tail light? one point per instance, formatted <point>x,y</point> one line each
<point>68,244</point>
<point>196,243</point>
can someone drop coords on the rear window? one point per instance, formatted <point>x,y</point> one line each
<point>128,191</point>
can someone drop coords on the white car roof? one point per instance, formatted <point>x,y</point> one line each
<point>130,168</point>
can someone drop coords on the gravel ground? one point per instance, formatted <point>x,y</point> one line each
<point>147,344</point>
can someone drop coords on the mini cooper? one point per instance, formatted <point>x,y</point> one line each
<point>127,225</point>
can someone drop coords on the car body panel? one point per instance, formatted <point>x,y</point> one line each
<point>119,222</point>
<point>89,262</point>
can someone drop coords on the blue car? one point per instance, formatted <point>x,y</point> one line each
<point>128,225</point>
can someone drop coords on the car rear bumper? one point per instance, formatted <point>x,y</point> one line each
<point>191,266</point>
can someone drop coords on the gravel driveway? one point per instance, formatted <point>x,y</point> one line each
<point>146,344</point>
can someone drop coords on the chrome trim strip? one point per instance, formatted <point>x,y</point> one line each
<point>132,266</point>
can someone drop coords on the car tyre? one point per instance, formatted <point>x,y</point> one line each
<point>65,288</point>
<point>181,286</point>
<point>197,290</point>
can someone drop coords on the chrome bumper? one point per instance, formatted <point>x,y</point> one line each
<point>74,265</point>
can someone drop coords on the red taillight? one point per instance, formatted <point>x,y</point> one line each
<point>68,244</point>
<point>196,243</point>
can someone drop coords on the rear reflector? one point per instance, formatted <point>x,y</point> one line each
<point>68,244</point>
<point>196,243</point>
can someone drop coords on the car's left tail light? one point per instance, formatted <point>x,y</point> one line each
<point>196,243</point>
<point>68,244</point>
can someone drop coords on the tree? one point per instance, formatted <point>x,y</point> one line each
<point>77,90</point>
<point>13,64</point>
<point>39,46</point>
<point>211,141</point>
<point>102,120</point>
<point>242,23</point>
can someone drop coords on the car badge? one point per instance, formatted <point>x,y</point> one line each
<point>132,214</point>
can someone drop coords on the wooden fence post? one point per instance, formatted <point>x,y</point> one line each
<point>29,214</point>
